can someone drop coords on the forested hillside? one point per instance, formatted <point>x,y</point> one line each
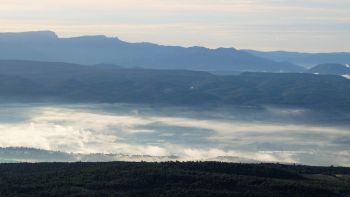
<point>45,81</point>
<point>171,179</point>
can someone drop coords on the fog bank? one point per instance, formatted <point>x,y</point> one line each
<point>126,131</point>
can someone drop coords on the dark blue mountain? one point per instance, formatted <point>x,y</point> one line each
<point>305,59</point>
<point>91,50</point>
<point>47,81</point>
<point>331,69</point>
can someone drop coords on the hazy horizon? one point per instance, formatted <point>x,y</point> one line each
<point>175,98</point>
<point>261,25</point>
<point>168,44</point>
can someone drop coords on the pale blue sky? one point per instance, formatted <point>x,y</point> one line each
<point>295,25</point>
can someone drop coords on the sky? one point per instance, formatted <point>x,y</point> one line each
<point>293,25</point>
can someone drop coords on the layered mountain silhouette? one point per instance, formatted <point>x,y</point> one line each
<point>304,59</point>
<point>331,69</point>
<point>48,81</point>
<point>90,50</point>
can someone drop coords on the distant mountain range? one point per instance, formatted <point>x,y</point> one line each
<point>90,50</point>
<point>22,154</point>
<point>304,59</point>
<point>45,81</point>
<point>331,69</point>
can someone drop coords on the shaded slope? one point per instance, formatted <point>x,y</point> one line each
<point>305,59</point>
<point>171,179</point>
<point>330,69</point>
<point>76,83</point>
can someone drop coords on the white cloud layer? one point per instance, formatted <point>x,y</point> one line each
<point>90,131</point>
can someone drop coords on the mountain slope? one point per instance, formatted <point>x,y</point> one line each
<point>305,59</point>
<point>331,69</point>
<point>90,50</point>
<point>28,80</point>
<point>184,179</point>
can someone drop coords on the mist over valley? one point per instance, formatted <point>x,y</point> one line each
<point>114,132</point>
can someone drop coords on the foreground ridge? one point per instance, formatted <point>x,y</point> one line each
<point>171,179</point>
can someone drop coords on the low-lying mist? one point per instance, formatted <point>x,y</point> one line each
<point>132,132</point>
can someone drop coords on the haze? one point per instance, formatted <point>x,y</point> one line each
<point>236,135</point>
<point>255,24</point>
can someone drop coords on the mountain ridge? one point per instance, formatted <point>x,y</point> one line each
<point>305,59</point>
<point>331,69</point>
<point>37,81</point>
<point>90,50</point>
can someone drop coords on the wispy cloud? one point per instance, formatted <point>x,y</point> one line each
<point>91,131</point>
